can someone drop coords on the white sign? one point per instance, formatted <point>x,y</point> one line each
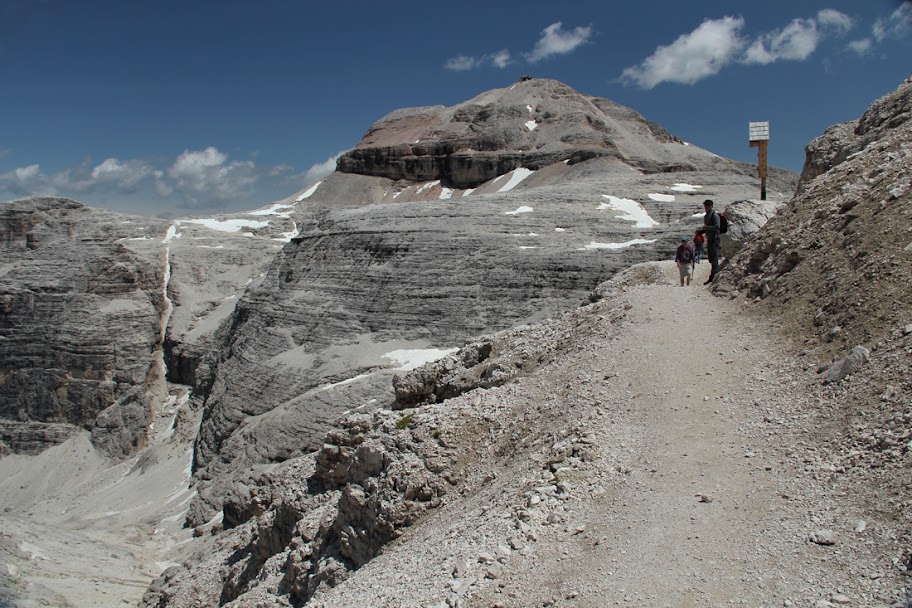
<point>759,131</point>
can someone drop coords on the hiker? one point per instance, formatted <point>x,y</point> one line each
<point>711,230</point>
<point>699,241</point>
<point>684,258</point>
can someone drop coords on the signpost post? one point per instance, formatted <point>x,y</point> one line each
<point>759,138</point>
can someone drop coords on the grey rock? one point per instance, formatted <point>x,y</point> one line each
<point>823,537</point>
<point>82,315</point>
<point>856,358</point>
<point>745,218</point>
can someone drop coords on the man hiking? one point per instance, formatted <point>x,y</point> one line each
<point>711,230</point>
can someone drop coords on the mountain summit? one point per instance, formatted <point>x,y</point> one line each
<point>533,123</point>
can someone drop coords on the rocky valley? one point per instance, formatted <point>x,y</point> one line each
<point>434,377</point>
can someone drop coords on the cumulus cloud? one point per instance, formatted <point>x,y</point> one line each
<point>795,42</point>
<point>862,46</point>
<point>692,57</point>
<point>125,175</point>
<point>112,175</point>
<point>205,177</point>
<point>557,41</point>
<point>464,63</point>
<point>554,40</point>
<point>717,43</point>
<point>318,171</point>
<point>833,20</point>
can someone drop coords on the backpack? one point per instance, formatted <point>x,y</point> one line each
<point>699,239</point>
<point>687,256</point>
<point>723,223</point>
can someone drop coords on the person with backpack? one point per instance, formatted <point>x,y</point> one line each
<point>684,258</point>
<point>699,241</point>
<point>712,229</point>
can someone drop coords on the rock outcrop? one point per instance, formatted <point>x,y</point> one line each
<point>835,254</point>
<point>98,308</point>
<point>81,319</point>
<point>531,124</point>
<point>840,142</point>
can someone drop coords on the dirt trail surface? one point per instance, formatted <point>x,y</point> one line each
<point>683,473</point>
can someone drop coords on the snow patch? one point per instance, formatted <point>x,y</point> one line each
<point>427,186</point>
<point>630,210</point>
<point>529,247</point>
<point>309,192</point>
<point>287,236</point>
<point>522,209</point>
<point>274,210</point>
<point>409,359</point>
<point>468,192</point>
<point>624,245</point>
<point>685,188</point>
<point>560,230</point>
<point>210,246</point>
<point>232,225</point>
<point>529,108</point>
<point>446,193</point>
<point>516,176</point>
<point>531,124</point>
<point>171,234</point>
<point>662,198</point>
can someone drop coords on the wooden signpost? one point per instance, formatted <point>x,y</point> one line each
<point>759,138</point>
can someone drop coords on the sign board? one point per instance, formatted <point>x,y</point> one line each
<point>759,131</point>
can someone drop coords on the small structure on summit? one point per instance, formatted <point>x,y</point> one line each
<point>759,133</point>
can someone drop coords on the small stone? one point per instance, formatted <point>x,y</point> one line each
<point>823,537</point>
<point>907,329</point>
<point>704,497</point>
<point>823,604</point>
<point>460,568</point>
<point>841,599</point>
<point>515,543</point>
<point>494,571</point>
<point>485,558</point>
<point>861,526</point>
<point>502,552</point>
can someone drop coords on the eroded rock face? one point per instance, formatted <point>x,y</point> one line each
<point>81,318</point>
<point>531,124</point>
<point>835,255</point>
<point>840,142</point>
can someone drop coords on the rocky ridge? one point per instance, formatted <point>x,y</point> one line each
<point>383,264</point>
<point>836,258</point>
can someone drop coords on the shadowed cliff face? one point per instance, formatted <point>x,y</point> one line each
<point>80,315</point>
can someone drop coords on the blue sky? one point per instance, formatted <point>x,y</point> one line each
<point>196,107</point>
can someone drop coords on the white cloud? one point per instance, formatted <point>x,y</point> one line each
<point>862,46</point>
<point>203,177</point>
<point>112,175</point>
<point>795,42</point>
<point>831,19</point>
<point>125,175</point>
<point>556,41</point>
<point>897,25</point>
<point>692,57</point>
<point>501,59</point>
<point>718,43</point>
<point>464,63</point>
<point>319,170</point>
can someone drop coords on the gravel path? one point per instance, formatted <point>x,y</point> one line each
<point>689,482</point>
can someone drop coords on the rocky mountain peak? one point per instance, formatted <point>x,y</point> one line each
<point>531,124</point>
